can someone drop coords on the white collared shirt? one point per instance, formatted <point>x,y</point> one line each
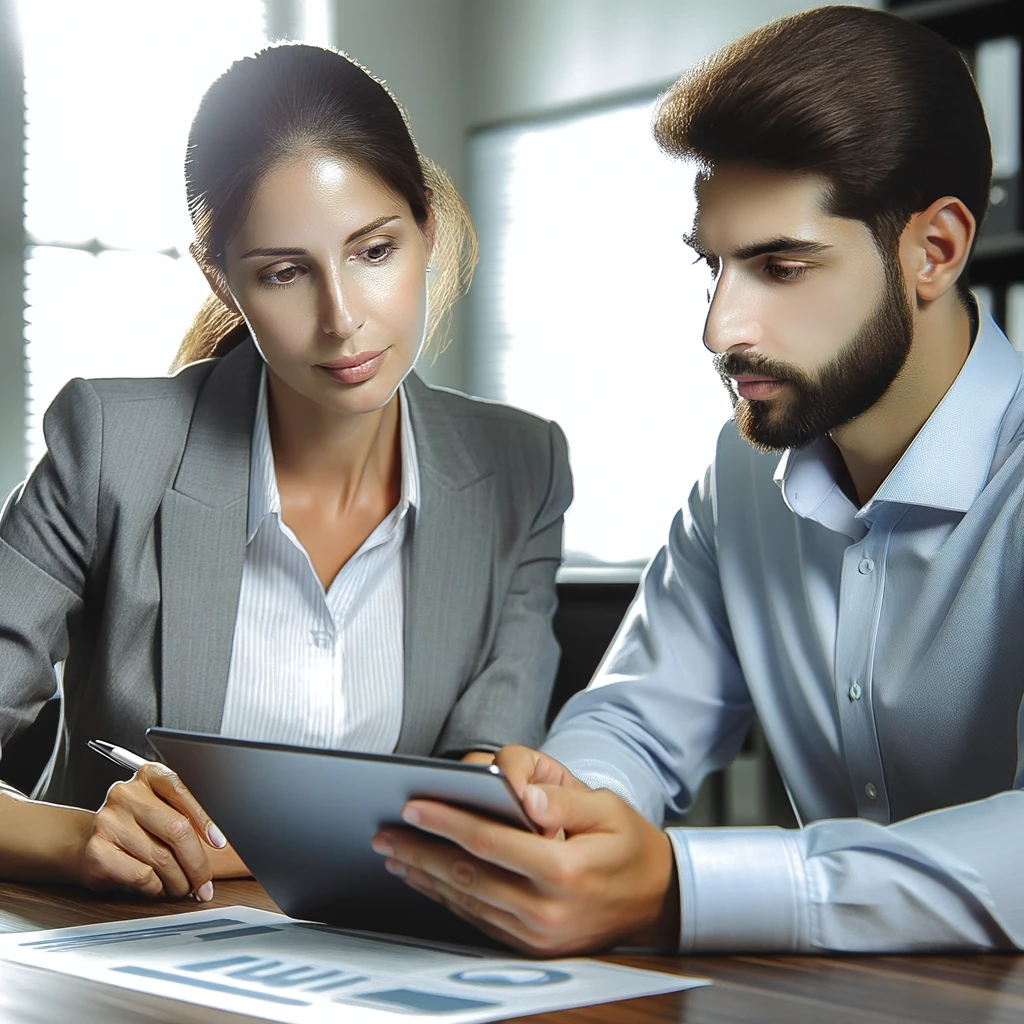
<point>308,666</point>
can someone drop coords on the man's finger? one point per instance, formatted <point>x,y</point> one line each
<point>498,924</point>
<point>513,849</point>
<point>475,879</point>
<point>522,766</point>
<point>575,811</point>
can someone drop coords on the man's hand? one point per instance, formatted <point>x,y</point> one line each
<point>611,881</point>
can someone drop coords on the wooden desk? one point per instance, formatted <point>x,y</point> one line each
<point>768,990</point>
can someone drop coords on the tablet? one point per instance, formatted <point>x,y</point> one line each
<point>302,820</point>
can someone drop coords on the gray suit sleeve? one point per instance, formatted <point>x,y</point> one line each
<point>508,701</point>
<point>47,545</point>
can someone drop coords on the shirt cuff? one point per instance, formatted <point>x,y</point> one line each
<point>740,889</point>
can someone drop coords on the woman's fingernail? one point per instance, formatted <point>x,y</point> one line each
<point>383,844</point>
<point>216,837</point>
<point>537,797</point>
<point>205,892</point>
<point>410,815</point>
<point>395,867</point>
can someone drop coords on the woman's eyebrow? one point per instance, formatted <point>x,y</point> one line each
<point>367,229</point>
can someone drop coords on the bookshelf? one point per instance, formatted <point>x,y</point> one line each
<point>989,35</point>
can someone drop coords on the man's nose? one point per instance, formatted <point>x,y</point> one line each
<point>733,319</point>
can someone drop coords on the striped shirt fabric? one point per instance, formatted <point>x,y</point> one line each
<point>312,667</point>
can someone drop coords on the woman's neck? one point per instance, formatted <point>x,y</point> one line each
<point>329,458</point>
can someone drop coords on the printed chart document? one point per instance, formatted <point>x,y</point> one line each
<point>279,969</point>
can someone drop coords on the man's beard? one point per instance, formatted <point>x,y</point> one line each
<point>845,388</point>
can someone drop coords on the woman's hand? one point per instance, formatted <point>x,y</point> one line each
<point>151,835</point>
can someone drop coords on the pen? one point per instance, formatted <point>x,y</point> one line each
<point>125,758</point>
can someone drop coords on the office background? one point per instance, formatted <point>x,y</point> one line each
<point>586,306</point>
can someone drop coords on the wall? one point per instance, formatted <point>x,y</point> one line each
<point>532,57</point>
<point>12,360</point>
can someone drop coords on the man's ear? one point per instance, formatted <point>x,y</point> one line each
<point>934,247</point>
<point>215,279</point>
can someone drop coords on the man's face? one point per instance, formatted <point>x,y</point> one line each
<point>809,324</point>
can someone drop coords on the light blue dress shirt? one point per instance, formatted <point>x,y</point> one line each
<point>882,649</point>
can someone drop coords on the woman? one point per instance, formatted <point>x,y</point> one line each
<point>295,540</point>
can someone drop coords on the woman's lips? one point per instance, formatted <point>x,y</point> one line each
<point>757,388</point>
<point>354,369</point>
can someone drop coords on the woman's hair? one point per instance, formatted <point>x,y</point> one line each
<point>882,108</point>
<point>290,98</point>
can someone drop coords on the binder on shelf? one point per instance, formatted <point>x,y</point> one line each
<point>997,73</point>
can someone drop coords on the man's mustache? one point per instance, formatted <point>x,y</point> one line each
<point>735,364</point>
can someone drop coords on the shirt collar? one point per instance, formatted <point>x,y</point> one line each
<point>264,497</point>
<point>946,465</point>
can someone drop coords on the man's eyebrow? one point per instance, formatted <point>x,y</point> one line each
<point>783,245</point>
<point>367,229</point>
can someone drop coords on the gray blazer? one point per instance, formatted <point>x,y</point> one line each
<point>122,555</point>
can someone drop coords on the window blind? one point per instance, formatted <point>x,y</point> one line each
<point>110,90</point>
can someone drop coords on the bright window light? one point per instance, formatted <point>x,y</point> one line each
<point>110,90</point>
<point>588,309</point>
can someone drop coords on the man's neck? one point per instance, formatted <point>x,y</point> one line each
<point>872,444</point>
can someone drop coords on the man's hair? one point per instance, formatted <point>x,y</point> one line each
<point>882,108</point>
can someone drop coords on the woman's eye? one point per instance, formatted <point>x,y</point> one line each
<point>285,275</point>
<point>378,253</point>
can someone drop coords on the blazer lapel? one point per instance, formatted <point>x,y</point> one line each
<point>202,545</point>
<point>447,589</point>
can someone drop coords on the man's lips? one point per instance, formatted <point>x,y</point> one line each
<point>756,387</point>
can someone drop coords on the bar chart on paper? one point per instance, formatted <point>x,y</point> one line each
<point>279,969</point>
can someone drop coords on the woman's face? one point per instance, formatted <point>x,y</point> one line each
<point>329,271</point>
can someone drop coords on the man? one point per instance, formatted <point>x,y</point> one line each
<point>862,592</point>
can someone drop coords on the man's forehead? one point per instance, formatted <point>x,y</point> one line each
<point>739,206</point>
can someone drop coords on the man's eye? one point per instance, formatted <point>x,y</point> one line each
<point>786,271</point>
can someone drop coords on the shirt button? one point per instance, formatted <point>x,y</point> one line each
<point>855,691</point>
<point>866,567</point>
<point>870,792</point>
<point>320,637</point>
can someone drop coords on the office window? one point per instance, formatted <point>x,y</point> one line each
<point>588,309</point>
<point>110,90</point>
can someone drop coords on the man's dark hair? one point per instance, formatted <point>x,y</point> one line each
<point>884,109</point>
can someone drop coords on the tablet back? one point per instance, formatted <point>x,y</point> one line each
<point>302,821</point>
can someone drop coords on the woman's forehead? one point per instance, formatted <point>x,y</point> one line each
<point>314,193</point>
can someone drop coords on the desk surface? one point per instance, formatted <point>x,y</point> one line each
<point>769,990</point>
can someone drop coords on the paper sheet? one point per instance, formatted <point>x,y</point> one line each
<point>275,968</point>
